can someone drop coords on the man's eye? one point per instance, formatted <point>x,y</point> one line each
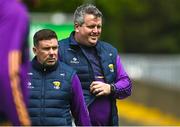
<point>98,27</point>
<point>54,48</point>
<point>91,27</point>
<point>46,49</point>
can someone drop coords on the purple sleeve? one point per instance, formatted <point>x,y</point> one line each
<point>123,83</point>
<point>78,107</point>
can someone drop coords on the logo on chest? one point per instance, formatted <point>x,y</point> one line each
<point>56,84</point>
<point>74,60</point>
<point>29,85</point>
<point>111,67</point>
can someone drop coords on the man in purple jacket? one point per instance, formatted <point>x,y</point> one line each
<point>14,26</point>
<point>54,87</point>
<point>98,66</point>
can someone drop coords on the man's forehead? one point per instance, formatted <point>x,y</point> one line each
<point>49,42</point>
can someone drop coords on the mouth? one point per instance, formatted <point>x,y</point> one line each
<point>51,60</point>
<point>94,37</point>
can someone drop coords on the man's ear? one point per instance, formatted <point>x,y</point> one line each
<point>35,50</point>
<point>76,27</point>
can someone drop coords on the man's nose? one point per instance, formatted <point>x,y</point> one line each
<point>95,29</point>
<point>51,51</point>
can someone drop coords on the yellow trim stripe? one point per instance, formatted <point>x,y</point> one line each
<point>14,60</point>
<point>138,113</point>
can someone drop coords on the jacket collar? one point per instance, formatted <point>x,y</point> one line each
<point>72,40</point>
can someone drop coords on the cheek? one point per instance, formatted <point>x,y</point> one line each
<point>44,55</point>
<point>84,35</point>
<point>56,55</point>
<point>55,52</point>
<point>86,31</point>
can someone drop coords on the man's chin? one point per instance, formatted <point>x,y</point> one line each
<point>93,43</point>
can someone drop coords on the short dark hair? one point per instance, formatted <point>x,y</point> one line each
<point>43,34</point>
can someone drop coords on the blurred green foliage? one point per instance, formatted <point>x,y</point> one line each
<point>133,26</point>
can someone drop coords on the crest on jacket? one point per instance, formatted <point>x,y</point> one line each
<point>57,84</point>
<point>111,67</point>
